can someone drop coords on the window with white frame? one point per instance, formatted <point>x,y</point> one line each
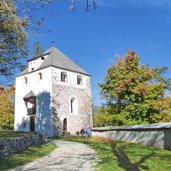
<point>79,80</point>
<point>73,105</point>
<point>63,76</point>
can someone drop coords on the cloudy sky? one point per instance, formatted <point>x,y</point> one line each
<point>93,39</point>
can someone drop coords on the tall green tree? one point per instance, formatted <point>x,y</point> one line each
<point>15,24</point>
<point>134,93</point>
<point>12,39</point>
<point>38,50</point>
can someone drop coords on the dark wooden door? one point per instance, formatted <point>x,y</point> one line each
<point>32,123</point>
<point>65,125</point>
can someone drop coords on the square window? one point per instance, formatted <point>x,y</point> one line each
<point>79,80</point>
<point>64,77</point>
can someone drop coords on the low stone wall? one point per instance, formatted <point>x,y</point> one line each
<point>157,135</point>
<point>10,146</point>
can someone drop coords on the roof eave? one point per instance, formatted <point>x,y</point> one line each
<point>55,67</point>
<point>36,57</point>
<point>72,70</point>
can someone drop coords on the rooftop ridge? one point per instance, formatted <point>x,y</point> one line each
<point>57,59</point>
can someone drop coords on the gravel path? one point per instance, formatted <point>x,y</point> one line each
<point>68,156</point>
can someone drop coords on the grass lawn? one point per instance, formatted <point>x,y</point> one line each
<point>11,134</point>
<point>121,156</point>
<point>29,155</point>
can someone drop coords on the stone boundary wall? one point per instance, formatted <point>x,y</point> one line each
<point>11,146</point>
<point>157,135</point>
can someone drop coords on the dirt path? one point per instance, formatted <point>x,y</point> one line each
<point>68,156</point>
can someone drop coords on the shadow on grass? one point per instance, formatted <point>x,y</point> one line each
<point>124,161</point>
<point>127,156</point>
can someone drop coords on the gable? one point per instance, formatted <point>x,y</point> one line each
<point>55,58</point>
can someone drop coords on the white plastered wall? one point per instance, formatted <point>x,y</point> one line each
<point>71,78</point>
<point>33,84</point>
<point>36,63</point>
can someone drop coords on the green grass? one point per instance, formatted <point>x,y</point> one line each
<point>11,134</point>
<point>122,156</point>
<point>29,155</point>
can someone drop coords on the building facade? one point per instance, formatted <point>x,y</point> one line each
<point>53,96</point>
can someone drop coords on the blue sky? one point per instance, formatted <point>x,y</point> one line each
<point>93,39</point>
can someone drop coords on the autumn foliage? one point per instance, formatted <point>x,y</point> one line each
<point>134,93</point>
<point>7,107</point>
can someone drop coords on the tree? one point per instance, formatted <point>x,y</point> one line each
<point>101,117</point>
<point>88,4</point>
<point>134,93</point>
<point>12,39</point>
<point>7,107</point>
<point>38,50</point>
<point>159,76</point>
<point>167,109</point>
<point>15,23</point>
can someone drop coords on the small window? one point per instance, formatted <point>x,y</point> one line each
<point>42,58</point>
<point>63,76</point>
<point>32,69</point>
<point>72,101</point>
<point>79,80</point>
<point>40,76</point>
<point>73,105</point>
<point>25,80</point>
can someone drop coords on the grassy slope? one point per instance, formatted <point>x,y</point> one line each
<point>29,155</point>
<point>127,156</point>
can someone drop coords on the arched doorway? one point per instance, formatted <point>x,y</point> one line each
<point>65,125</point>
<point>32,123</point>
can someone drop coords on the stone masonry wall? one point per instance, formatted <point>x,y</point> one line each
<point>11,146</point>
<point>61,105</point>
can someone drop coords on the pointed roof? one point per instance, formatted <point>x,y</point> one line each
<point>57,59</point>
<point>30,94</point>
<point>25,71</point>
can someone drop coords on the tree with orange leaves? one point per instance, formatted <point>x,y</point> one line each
<point>7,107</point>
<point>135,93</point>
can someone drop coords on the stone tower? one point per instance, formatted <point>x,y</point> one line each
<point>53,95</point>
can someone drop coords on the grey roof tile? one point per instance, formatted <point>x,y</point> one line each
<point>25,71</point>
<point>57,59</point>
